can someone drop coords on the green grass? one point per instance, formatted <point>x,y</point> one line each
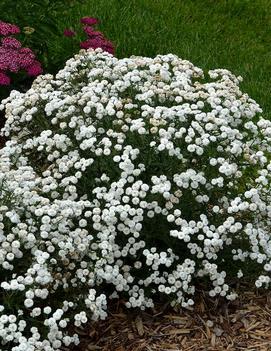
<point>232,34</point>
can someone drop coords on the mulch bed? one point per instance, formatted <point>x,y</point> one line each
<point>244,324</point>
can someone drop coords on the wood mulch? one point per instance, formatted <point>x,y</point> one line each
<point>244,324</point>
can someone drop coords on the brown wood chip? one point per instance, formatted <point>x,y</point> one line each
<point>218,325</point>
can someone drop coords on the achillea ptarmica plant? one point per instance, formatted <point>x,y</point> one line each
<point>127,178</point>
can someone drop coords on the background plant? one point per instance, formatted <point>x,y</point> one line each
<point>42,21</point>
<point>41,25</point>
<point>14,58</point>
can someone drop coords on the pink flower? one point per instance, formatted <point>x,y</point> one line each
<point>4,79</point>
<point>25,57</point>
<point>95,43</point>
<point>9,42</point>
<point>8,28</point>
<point>91,32</point>
<point>88,30</point>
<point>89,20</point>
<point>34,69</point>
<point>86,44</point>
<point>95,39</point>
<point>108,46</point>
<point>9,59</point>
<point>68,32</point>
<point>13,57</point>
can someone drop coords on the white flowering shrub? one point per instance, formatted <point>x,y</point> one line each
<point>127,177</point>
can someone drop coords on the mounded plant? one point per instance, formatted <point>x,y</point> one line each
<point>127,177</point>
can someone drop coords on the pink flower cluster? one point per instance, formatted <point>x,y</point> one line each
<point>95,39</point>
<point>8,29</point>
<point>13,57</point>
<point>90,21</point>
<point>69,32</point>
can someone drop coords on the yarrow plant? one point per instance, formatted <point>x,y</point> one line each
<point>13,57</point>
<point>127,178</point>
<point>95,39</point>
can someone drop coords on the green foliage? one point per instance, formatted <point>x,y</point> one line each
<point>46,19</point>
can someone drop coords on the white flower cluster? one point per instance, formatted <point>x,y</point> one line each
<point>127,178</point>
